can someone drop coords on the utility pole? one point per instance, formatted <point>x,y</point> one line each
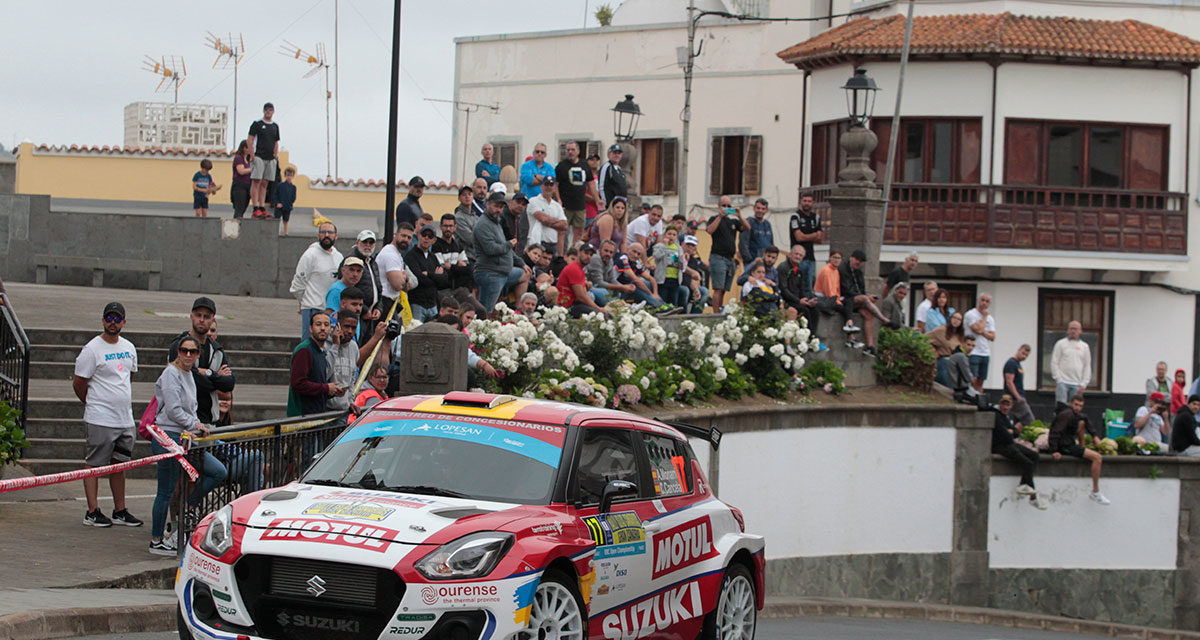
<point>337,93</point>
<point>389,215</point>
<point>895,134</point>
<point>687,106</point>
<point>467,108</point>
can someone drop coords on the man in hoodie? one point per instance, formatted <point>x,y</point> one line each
<point>211,372</point>
<point>498,266</point>
<point>315,273</point>
<point>369,284</point>
<point>409,209</point>
<point>421,260</point>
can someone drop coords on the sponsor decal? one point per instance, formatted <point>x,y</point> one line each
<point>331,532</point>
<point>415,617</point>
<point>623,527</point>
<point>229,611</point>
<point>554,527</point>
<point>533,446</point>
<point>683,546</point>
<point>407,631</point>
<point>459,594</point>
<point>350,511</point>
<point>656,613</point>
<point>523,601</point>
<point>408,502</point>
<point>204,568</point>
<point>604,589</point>
<point>317,622</point>
<point>221,595</point>
<point>585,586</point>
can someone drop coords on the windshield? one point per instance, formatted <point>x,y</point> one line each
<point>496,460</point>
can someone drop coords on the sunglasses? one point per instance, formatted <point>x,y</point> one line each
<point>541,151</point>
<point>189,352</point>
<point>325,233</point>
<point>113,318</point>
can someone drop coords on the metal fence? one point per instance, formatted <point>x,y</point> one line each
<point>14,360</point>
<point>255,455</point>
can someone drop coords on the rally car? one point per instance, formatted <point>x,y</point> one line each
<point>475,516</point>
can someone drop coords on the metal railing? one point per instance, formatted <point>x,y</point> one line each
<point>14,360</point>
<point>256,455</point>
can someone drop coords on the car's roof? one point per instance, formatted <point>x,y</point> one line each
<point>505,407</point>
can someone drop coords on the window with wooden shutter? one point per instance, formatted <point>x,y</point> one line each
<point>716,155</point>
<point>649,166</point>
<point>670,166</point>
<point>506,154</point>
<point>1105,155</point>
<point>752,166</point>
<point>593,148</point>
<point>1093,311</point>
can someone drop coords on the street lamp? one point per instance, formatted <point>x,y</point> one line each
<point>860,97</point>
<point>625,118</point>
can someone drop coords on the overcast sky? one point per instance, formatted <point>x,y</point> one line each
<point>71,66</point>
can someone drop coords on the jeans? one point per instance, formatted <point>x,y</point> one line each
<point>425,314</point>
<point>1024,457</point>
<point>599,295</point>
<point>492,285</point>
<point>1021,411</point>
<point>809,269</point>
<point>239,195</point>
<point>305,320</point>
<point>644,296</point>
<point>943,372</point>
<point>697,306</point>
<point>246,469</point>
<point>669,292</point>
<point>212,473</point>
<point>1064,391</point>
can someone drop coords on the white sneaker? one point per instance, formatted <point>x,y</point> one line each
<point>849,327</point>
<point>1026,490</point>
<point>1098,497</point>
<point>1038,503</point>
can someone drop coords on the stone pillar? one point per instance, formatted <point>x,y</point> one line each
<point>969,563</point>
<point>856,206</point>
<point>629,156</point>
<point>433,359</point>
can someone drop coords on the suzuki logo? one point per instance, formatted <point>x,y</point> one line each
<point>316,586</point>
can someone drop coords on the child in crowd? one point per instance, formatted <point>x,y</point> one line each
<point>668,256</point>
<point>202,187</point>
<point>285,198</point>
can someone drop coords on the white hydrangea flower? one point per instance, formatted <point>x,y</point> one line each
<point>720,373</point>
<point>586,337</point>
<point>587,366</point>
<point>740,359</point>
<point>644,382</point>
<point>777,349</point>
<point>786,361</point>
<point>756,350</point>
<point>771,332</point>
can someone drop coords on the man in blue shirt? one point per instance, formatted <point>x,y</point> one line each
<point>534,171</point>
<point>485,168</point>
<point>759,236</point>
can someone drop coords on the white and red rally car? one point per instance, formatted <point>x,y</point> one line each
<point>480,517</point>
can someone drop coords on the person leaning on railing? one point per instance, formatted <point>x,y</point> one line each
<point>175,392</point>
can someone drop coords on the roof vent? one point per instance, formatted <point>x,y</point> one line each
<point>475,400</point>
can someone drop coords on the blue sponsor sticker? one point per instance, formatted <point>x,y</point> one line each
<point>511,441</point>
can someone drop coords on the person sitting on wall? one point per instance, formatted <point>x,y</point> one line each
<point>1005,437</point>
<point>1067,437</point>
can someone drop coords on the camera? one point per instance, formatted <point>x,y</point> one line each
<point>394,327</point>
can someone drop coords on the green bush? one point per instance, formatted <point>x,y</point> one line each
<point>822,372</point>
<point>905,357</point>
<point>12,436</point>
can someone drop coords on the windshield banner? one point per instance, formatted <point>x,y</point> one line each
<point>509,439</point>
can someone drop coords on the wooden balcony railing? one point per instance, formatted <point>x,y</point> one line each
<point>1021,217</point>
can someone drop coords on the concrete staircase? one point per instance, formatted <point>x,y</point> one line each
<point>54,422</point>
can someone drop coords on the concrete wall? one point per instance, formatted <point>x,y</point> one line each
<point>211,255</point>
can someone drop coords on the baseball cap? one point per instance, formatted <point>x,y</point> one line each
<point>587,247</point>
<point>1157,396</point>
<point>416,181</point>
<point>496,196</point>
<point>690,240</point>
<point>429,229</point>
<point>114,307</point>
<point>548,180</point>
<point>498,187</point>
<point>204,302</point>
<point>858,253</point>
<point>520,195</point>
<point>366,234</point>
<point>268,106</point>
<point>353,261</point>
<point>616,148</point>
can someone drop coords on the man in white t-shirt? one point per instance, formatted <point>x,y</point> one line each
<point>647,228</point>
<point>394,275</point>
<point>103,373</point>
<point>931,288</point>
<point>979,324</point>
<point>548,222</point>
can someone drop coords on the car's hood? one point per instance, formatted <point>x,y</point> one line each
<point>358,513</point>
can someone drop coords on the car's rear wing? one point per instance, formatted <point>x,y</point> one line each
<point>712,436</point>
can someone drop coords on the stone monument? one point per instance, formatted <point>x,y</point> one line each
<point>856,205</point>
<point>433,359</point>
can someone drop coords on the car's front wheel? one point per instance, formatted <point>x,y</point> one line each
<point>181,626</point>
<point>557,612</point>
<point>736,612</point>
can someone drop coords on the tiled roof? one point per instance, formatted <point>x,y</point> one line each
<point>146,151</point>
<point>998,36</point>
<point>334,183</point>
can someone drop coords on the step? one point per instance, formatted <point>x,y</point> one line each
<point>149,373</point>
<point>69,412</point>
<point>231,342</point>
<point>150,356</point>
<point>71,448</point>
<point>47,466</point>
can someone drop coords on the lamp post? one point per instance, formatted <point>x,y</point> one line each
<point>856,207</point>
<point>626,114</point>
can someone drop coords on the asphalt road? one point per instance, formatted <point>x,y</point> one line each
<point>826,629</point>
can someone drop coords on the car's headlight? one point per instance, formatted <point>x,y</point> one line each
<point>471,556</point>
<point>219,537</point>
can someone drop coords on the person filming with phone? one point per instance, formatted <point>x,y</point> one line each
<point>724,228</point>
<point>310,382</point>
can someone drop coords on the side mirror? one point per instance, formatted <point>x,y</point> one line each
<point>614,490</point>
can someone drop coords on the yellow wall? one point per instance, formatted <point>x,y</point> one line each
<point>159,178</point>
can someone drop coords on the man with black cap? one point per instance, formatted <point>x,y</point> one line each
<point>612,179</point>
<point>264,139</point>
<point>409,210</point>
<point>430,275</point>
<point>103,374</point>
<point>854,292</point>
<point>497,265</point>
<point>515,222</point>
<point>211,372</point>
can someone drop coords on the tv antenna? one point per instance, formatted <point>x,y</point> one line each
<point>230,53</point>
<point>467,108</point>
<point>171,69</point>
<point>318,63</point>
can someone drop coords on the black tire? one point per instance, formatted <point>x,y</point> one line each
<point>181,626</point>
<point>737,577</point>
<point>571,585</point>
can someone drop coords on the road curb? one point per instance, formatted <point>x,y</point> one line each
<point>784,608</point>
<point>69,623</point>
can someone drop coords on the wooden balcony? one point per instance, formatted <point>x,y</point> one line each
<point>1046,218</point>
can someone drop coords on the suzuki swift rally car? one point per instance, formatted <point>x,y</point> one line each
<point>479,517</point>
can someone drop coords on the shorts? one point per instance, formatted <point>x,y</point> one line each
<point>261,169</point>
<point>721,272</point>
<point>979,366</point>
<point>106,445</point>
<point>283,213</point>
<point>576,218</point>
<point>199,201</point>
<point>1072,450</point>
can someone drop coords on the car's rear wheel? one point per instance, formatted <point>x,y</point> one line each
<point>737,613</point>
<point>557,612</point>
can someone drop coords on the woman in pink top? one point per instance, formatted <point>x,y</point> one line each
<point>610,225</point>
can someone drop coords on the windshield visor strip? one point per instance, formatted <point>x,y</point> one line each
<point>511,441</point>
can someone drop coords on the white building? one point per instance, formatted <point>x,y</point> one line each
<point>1047,152</point>
<point>176,126</point>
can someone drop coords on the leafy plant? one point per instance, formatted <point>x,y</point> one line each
<point>1155,472</point>
<point>604,14</point>
<point>905,357</point>
<point>822,372</point>
<point>12,436</point>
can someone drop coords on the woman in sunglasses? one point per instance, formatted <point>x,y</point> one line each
<point>175,392</point>
<point>611,225</point>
